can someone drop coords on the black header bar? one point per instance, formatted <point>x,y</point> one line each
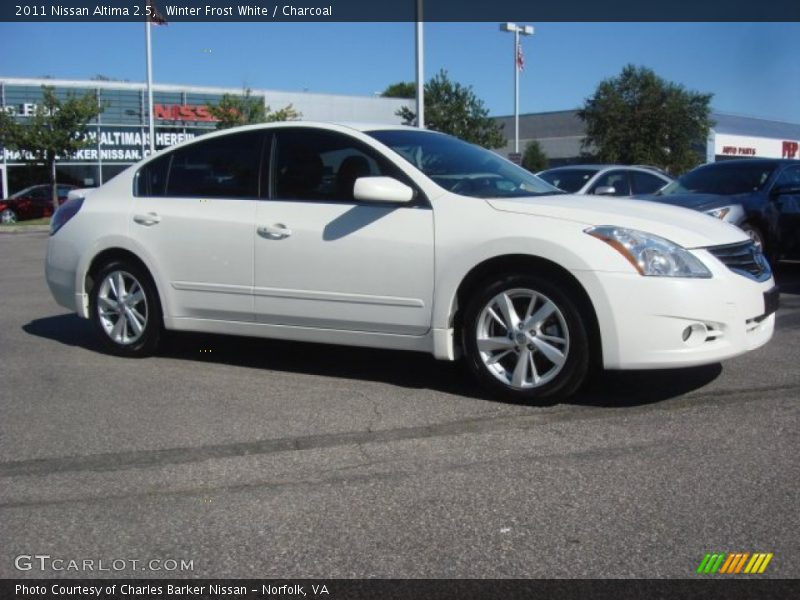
<point>267,11</point>
<point>399,589</point>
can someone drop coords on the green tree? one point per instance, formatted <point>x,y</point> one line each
<point>455,109</point>
<point>57,129</point>
<point>245,109</point>
<point>534,159</point>
<point>640,118</point>
<point>401,89</point>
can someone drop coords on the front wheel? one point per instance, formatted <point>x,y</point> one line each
<point>8,217</point>
<point>125,310</point>
<point>525,338</point>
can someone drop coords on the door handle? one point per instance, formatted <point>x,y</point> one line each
<point>278,231</point>
<point>148,219</point>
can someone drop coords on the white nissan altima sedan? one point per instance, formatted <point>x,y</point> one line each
<point>394,237</point>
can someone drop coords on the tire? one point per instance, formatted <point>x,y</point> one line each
<point>499,365</point>
<point>756,235</point>
<point>8,217</point>
<point>140,307</point>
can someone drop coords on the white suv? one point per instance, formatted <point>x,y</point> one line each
<point>400,238</point>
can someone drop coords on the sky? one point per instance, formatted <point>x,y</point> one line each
<point>751,68</point>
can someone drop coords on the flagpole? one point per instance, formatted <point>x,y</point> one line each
<point>516,90</point>
<point>150,87</point>
<point>420,70</point>
<point>517,30</point>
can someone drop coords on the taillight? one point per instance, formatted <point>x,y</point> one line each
<point>64,213</point>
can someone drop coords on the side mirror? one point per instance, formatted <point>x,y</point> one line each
<point>785,190</point>
<point>382,189</point>
<point>605,190</point>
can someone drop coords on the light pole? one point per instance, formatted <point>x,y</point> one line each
<point>420,69</point>
<point>517,30</point>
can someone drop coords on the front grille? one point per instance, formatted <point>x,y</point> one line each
<point>743,258</point>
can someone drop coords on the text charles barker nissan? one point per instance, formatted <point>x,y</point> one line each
<point>185,590</point>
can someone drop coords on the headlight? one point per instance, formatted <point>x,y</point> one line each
<point>719,213</point>
<point>649,254</point>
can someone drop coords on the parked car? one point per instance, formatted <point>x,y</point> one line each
<point>34,202</point>
<point>239,232</point>
<point>606,180</point>
<point>762,196</point>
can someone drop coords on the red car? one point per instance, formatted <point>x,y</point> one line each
<point>33,202</point>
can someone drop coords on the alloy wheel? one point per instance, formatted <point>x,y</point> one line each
<point>522,338</point>
<point>8,217</point>
<point>122,307</point>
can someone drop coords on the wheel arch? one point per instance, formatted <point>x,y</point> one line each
<point>110,254</point>
<point>495,267</point>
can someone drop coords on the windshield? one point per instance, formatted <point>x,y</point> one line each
<point>569,180</point>
<point>462,168</point>
<point>722,178</point>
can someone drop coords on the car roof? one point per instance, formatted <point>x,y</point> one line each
<point>750,161</point>
<point>603,167</point>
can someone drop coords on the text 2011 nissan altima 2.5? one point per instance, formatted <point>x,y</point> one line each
<point>394,237</point>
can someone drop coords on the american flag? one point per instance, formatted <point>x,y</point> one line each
<point>154,15</point>
<point>520,58</point>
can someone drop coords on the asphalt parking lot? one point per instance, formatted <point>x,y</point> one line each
<point>254,458</point>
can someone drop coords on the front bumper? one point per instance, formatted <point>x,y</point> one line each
<point>655,323</point>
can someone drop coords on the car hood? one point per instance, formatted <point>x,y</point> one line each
<point>694,201</point>
<point>689,228</point>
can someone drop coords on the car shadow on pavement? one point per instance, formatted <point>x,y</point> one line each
<point>403,369</point>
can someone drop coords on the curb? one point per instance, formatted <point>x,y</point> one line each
<point>24,229</point>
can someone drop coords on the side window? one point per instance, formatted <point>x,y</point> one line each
<point>616,179</point>
<point>322,165</point>
<point>221,167</point>
<point>151,180</point>
<point>790,177</point>
<point>645,183</point>
<point>40,193</point>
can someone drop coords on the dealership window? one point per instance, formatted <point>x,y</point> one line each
<point>322,165</point>
<point>23,176</point>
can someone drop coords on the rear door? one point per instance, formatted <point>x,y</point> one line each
<point>195,213</point>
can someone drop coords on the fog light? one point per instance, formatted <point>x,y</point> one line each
<point>694,334</point>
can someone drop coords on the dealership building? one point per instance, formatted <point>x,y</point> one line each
<point>561,134</point>
<point>120,135</point>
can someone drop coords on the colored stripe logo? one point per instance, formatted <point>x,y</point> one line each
<point>734,563</point>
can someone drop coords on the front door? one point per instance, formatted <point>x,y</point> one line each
<point>325,260</point>
<point>788,208</point>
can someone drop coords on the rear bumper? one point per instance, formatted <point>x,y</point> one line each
<point>60,270</point>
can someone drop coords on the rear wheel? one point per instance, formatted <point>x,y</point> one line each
<point>125,310</point>
<point>8,217</point>
<point>525,338</point>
